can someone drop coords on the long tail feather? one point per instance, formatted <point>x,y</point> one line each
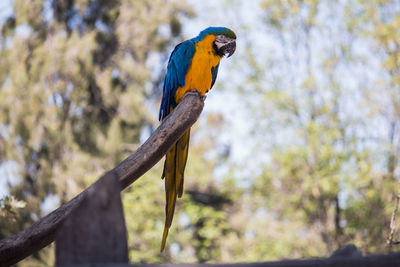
<point>174,167</point>
<point>170,191</point>
<point>182,149</point>
<point>164,238</point>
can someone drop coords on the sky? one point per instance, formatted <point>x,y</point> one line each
<point>5,9</point>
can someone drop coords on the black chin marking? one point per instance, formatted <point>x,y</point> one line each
<point>228,49</point>
<point>217,51</point>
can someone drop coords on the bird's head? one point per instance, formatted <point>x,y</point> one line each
<point>225,40</point>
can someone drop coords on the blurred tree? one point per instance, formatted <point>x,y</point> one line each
<point>326,180</point>
<point>321,102</point>
<point>378,23</point>
<point>317,85</point>
<point>75,78</point>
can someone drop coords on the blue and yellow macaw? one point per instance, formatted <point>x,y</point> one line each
<point>193,65</point>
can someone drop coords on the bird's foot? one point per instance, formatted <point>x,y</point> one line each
<point>203,97</point>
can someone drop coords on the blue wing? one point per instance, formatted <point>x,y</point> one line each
<point>214,72</point>
<point>178,66</point>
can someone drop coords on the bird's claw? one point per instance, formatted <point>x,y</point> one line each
<point>203,97</point>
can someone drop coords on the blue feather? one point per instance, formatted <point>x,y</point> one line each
<point>214,72</point>
<point>178,66</point>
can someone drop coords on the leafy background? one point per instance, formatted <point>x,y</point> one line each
<point>295,155</point>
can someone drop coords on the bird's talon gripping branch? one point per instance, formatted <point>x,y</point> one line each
<point>192,66</point>
<point>202,97</point>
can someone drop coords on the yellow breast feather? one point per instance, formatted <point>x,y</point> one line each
<point>199,75</point>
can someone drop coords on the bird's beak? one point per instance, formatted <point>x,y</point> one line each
<point>229,48</point>
<point>225,46</point>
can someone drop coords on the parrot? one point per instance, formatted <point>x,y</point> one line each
<point>193,65</point>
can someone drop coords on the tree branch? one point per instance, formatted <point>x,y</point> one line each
<point>393,218</point>
<point>42,232</point>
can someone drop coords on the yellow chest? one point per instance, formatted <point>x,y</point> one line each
<point>199,75</point>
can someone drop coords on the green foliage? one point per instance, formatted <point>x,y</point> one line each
<point>77,78</point>
<point>334,177</point>
<point>9,214</point>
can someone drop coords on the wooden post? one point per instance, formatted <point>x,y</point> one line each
<point>95,231</point>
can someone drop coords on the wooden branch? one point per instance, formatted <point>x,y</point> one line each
<point>42,232</point>
<point>390,240</point>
